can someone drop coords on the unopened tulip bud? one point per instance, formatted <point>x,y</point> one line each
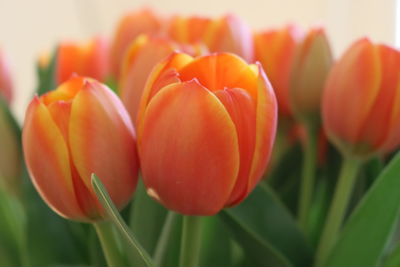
<point>312,63</point>
<point>275,49</point>
<point>143,21</point>
<point>76,130</point>
<point>361,99</point>
<point>88,59</point>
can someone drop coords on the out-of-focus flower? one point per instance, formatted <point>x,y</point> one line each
<point>206,127</point>
<point>88,59</point>
<point>361,99</point>
<point>6,85</point>
<point>144,53</point>
<point>226,34</point>
<point>10,150</point>
<point>275,49</point>
<point>76,130</point>
<point>311,66</point>
<point>129,27</point>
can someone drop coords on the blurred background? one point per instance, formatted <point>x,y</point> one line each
<point>28,28</point>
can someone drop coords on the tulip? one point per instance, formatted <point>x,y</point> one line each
<point>311,66</point>
<point>226,34</point>
<point>131,26</point>
<point>144,53</point>
<point>360,100</point>
<point>76,130</point>
<point>88,59</point>
<point>275,49</point>
<point>206,127</point>
<point>6,85</point>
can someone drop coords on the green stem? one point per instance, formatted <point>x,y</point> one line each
<point>190,242</point>
<point>109,244</point>
<point>307,175</point>
<point>162,244</point>
<point>337,211</point>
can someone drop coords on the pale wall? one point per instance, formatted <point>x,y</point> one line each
<point>31,26</point>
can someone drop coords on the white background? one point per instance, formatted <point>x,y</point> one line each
<point>28,27</point>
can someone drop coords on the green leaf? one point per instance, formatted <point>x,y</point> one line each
<point>393,259</point>
<point>147,219</point>
<point>267,232</point>
<point>370,226</point>
<point>47,75</point>
<point>119,223</point>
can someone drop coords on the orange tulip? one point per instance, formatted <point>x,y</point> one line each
<point>311,66</point>
<point>89,59</point>
<point>76,130</point>
<point>6,85</point>
<point>206,127</point>
<point>131,26</point>
<point>361,99</point>
<point>144,53</point>
<point>275,49</point>
<point>226,34</point>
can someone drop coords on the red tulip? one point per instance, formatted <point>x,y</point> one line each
<point>206,127</point>
<point>76,130</point>
<point>6,85</point>
<point>131,26</point>
<point>311,66</point>
<point>89,59</point>
<point>225,34</point>
<point>361,99</point>
<point>275,49</point>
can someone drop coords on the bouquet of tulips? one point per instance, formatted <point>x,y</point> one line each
<point>195,141</point>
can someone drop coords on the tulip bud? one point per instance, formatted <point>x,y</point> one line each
<point>6,86</point>
<point>360,100</point>
<point>89,59</point>
<point>76,130</point>
<point>226,34</point>
<point>275,49</point>
<point>131,26</point>
<point>311,66</point>
<point>206,127</point>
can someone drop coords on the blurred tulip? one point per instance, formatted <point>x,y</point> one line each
<point>227,34</point>
<point>311,66</point>
<point>361,99</point>
<point>89,59</point>
<point>10,150</point>
<point>144,53</point>
<point>6,86</point>
<point>206,127</point>
<point>129,27</point>
<point>275,49</point>
<point>76,130</point>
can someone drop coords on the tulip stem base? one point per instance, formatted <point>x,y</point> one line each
<point>307,175</point>
<point>109,244</point>
<point>161,250</point>
<point>337,211</point>
<point>191,241</point>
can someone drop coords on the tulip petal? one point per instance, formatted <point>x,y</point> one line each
<point>189,149</point>
<point>102,141</point>
<point>163,74</point>
<point>133,78</point>
<point>220,71</point>
<point>242,110</point>
<point>266,122</point>
<point>47,158</point>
